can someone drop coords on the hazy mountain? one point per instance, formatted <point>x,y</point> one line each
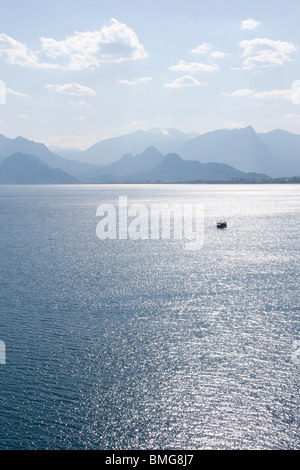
<point>285,148</point>
<point>22,168</point>
<point>276,153</point>
<point>110,150</point>
<point>174,169</point>
<point>68,154</point>
<point>20,144</point>
<point>128,164</point>
<point>240,148</point>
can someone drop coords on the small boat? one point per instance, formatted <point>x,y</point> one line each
<point>222,224</point>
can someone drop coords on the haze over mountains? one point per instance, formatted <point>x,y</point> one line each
<point>276,153</point>
<point>20,144</point>
<point>158,155</point>
<point>109,150</point>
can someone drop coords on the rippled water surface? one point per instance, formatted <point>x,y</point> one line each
<point>141,344</point>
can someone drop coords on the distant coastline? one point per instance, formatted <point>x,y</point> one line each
<point>292,180</point>
<point>283,180</point>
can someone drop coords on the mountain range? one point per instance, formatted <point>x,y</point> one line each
<point>156,155</point>
<point>152,166</point>
<point>21,145</point>
<point>276,153</point>
<point>109,150</point>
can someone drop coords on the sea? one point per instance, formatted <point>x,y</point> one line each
<point>123,344</point>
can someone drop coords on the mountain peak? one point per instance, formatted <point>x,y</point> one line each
<point>172,158</point>
<point>150,150</point>
<point>126,157</point>
<point>19,138</point>
<point>249,129</point>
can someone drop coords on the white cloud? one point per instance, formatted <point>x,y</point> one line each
<point>115,42</point>
<point>290,116</point>
<point>17,53</point>
<point>273,94</point>
<point>205,47</point>
<point>74,89</point>
<point>262,95</point>
<point>79,102</point>
<point>202,48</point>
<point>184,81</point>
<point>23,116</point>
<point>250,23</point>
<point>193,67</point>
<point>263,52</point>
<point>135,81</point>
<point>9,91</point>
<point>217,55</point>
<point>240,92</point>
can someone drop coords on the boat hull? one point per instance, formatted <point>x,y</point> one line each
<point>222,225</point>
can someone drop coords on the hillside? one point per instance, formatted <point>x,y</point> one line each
<point>20,144</point>
<point>22,168</point>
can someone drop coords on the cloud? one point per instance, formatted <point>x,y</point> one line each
<point>262,52</point>
<point>262,95</point>
<point>9,91</point>
<point>184,81</point>
<point>79,102</point>
<point>135,81</point>
<point>74,89</point>
<point>250,23</point>
<point>205,47</point>
<point>202,48</point>
<point>273,94</point>
<point>217,55</point>
<point>23,116</point>
<point>240,92</point>
<point>114,42</point>
<point>17,53</point>
<point>290,116</point>
<point>193,67</point>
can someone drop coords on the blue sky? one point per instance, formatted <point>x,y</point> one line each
<point>79,71</point>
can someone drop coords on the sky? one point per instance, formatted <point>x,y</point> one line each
<point>73,72</point>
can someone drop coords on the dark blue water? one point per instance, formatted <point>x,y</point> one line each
<point>140,344</point>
